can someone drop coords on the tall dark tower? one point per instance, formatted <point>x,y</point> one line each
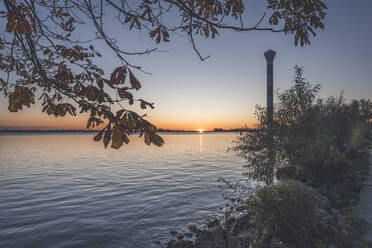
<point>270,55</point>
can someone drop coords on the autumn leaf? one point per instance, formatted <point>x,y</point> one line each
<point>124,94</point>
<point>93,121</point>
<point>148,13</point>
<point>17,20</point>
<point>118,76</point>
<point>206,31</point>
<point>71,109</point>
<point>148,127</point>
<point>165,34</point>
<point>133,81</point>
<point>148,138</point>
<point>144,104</point>
<point>125,138</point>
<point>160,32</point>
<point>153,138</point>
<point>63,76</point>
<point>214,31</point>
<point>20,96</point>
<point>134,20</point>
<point>157,140</point>
<point>117,138</point>
<point>59,109</point>
<point>93,94</point>
<point>89,93</point>
<point>12,17</point>
<point>137,23</point>
<point>156,32</point>
<point>107,137</point>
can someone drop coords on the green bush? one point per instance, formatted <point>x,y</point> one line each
<point>310,137</point>
<point>288,214</point>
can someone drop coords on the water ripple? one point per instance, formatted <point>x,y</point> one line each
<point>66,191</point>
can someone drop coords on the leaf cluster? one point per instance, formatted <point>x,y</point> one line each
<point>125,123</point>
<point>38,54</point>
<point>299,17</point>
<point>19,97</point>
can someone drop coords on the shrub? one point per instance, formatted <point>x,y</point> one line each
<point>288,213</point>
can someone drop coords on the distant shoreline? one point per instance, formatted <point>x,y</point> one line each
<point>95,131</point>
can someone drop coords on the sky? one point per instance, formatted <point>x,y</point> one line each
<point>222,91</point>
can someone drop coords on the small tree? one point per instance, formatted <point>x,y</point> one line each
<point>310,138</point>
<point>40,52</point>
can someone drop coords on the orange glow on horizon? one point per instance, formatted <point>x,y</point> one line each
<point>34,120</point>
<point>207,125</point>
<point>76,123</point>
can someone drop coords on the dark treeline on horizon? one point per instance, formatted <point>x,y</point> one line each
<point>161,130</point>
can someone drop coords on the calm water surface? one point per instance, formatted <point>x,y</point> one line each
<point>68,191</point>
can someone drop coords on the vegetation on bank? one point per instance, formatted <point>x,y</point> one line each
<point>311,137</point>
<point>310,168</point>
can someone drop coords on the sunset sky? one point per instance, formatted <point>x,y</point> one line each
<point>222,91</point>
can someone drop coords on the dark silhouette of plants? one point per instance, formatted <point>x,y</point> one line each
<point>311,136</point>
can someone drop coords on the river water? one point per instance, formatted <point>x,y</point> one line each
<point>64,190</point>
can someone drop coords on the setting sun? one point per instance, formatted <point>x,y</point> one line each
<point>201,130</point>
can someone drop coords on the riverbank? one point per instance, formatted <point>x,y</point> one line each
<point>339,200</point>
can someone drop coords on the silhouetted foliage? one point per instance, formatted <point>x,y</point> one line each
<point>311,136</point>
<point>39,51</point>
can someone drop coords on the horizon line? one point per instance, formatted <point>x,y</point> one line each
<point>97,130</point>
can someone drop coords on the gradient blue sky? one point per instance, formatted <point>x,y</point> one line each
<point>223,90</point>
